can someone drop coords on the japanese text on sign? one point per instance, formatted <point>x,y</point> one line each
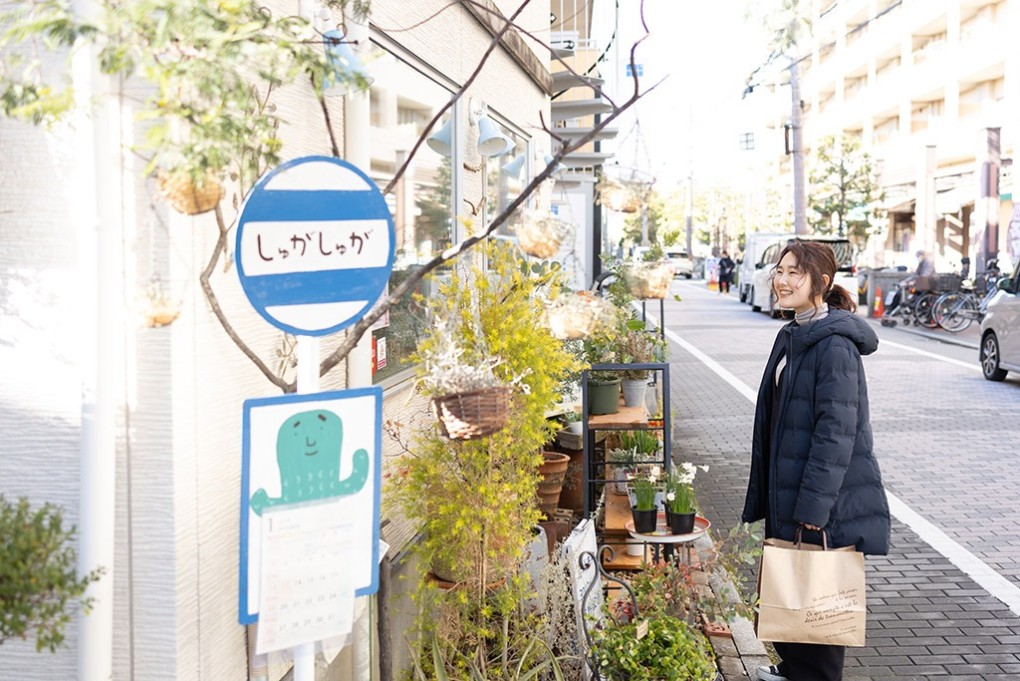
<point>271,247</point>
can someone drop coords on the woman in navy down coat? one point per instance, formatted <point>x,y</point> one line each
<point>812,463</point>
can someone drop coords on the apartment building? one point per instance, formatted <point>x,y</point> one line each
<point>932,90</point>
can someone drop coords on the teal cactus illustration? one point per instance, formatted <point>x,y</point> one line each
<point>308,450</point>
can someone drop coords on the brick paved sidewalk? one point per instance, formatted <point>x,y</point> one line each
<point>926,619</point>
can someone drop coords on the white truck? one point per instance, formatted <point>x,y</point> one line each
<point>754,246</point>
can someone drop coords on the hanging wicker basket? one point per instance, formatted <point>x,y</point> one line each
<point>574,315</point>
<point>648,279</point>
<point>187,196</point>
<point>473,414</point>
<point>540,236</point>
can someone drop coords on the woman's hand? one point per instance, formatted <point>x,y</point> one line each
<point>813,528</point>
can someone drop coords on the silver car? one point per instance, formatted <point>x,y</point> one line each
<point>1000,331</point>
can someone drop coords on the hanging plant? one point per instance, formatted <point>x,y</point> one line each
<point>161,308</point>
<point>541,234</point>
<point>571,316</point>
<point>616,196</point>
<point>648,279</point>
<point>189,196</point>
<point>468,400</point>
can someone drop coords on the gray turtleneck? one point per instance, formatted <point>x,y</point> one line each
<point>812,315</point>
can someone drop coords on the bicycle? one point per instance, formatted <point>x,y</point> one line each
<point>957,310</point>
<point>908,303</point>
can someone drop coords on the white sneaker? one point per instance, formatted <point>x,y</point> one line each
<point>770,673</point>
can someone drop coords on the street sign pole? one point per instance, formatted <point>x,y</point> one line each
<point>307,382</point>
<point>315,249</point>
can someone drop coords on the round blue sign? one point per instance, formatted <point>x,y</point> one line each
<point>315,244</point>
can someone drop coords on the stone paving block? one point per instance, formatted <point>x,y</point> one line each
<point>744,637</point>
<point>955,616</point>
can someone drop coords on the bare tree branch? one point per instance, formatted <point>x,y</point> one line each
<point>210,296</point>
<point>493,44</point>
<point>355,332</point>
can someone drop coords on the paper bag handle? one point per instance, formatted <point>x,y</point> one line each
<point>798,538</point>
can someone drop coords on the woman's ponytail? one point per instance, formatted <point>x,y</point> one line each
<point>839,298</point>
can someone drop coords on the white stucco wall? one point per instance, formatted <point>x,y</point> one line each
<point>179,406</point>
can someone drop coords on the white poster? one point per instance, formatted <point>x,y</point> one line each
<point>306,588</point>
<point>308,449</point>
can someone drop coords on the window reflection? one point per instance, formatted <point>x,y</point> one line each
<point>403,101</point>
<point>506,177</point>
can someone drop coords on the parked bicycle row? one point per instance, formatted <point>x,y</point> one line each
<point>950,301</point>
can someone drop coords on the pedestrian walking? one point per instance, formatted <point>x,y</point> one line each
<point>726,268</point>
<point>812,464</point>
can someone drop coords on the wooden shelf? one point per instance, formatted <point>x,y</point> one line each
<point>617,515</point>
<point>627,417</point>
<point>624,561</point>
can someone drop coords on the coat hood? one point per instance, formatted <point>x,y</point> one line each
<point>836,323</point>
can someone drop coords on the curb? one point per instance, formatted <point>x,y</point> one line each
<point>931,334</point>
<point>739,655</point>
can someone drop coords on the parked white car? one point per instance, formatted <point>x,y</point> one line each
<point>682,263</point>
<point>754,246</point>
<point>1000,331</point>
<point>760,295</point>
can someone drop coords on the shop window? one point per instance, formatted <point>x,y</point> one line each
<point>505,177</point>
<point>404,99</point>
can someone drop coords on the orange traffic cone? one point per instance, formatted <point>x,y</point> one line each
<point>879,305</point>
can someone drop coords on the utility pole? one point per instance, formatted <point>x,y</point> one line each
<point>797,150</point>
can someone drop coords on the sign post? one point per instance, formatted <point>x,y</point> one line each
<point>315,246</point>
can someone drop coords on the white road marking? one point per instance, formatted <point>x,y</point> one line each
<point>972,566</point>
<point>966,365</point>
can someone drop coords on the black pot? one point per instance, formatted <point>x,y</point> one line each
<point>644,521</point>
<point>680,523</point>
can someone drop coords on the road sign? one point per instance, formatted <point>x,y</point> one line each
<point>315,244</point>
<point>304,450</point>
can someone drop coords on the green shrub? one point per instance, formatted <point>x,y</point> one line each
<point>670,651</point>
<point>38,582</point>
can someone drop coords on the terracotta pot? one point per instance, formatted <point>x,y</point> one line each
<point>554,472</point>
<point>572,496</point>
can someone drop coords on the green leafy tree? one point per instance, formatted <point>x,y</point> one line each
<point>38,582</point>
<point>844,190</point>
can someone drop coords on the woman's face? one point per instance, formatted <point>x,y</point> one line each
<point>792,285</point>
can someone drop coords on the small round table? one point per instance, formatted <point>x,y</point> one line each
<point>662,536</point>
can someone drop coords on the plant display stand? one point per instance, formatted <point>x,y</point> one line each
<point>617,507</point>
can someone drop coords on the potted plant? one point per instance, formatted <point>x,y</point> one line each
<point>636,346</point>
<point>603,386</point>
<point>670,650</point>
<point>553,471</point>
<point>680,508</point>
<point>644,509</point>
<point>646,445</point>
<point>680,511</point>
<point>620,468</point>
<point>574,421</point>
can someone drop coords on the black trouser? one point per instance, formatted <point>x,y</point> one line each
<point>724,283</point>
<point>810,662</point>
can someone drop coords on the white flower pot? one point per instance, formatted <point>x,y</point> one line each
<point>634,391</point>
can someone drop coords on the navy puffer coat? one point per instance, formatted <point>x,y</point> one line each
<point>811,455</point>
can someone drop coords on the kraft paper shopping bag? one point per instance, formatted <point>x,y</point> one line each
<point>811,595</point>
